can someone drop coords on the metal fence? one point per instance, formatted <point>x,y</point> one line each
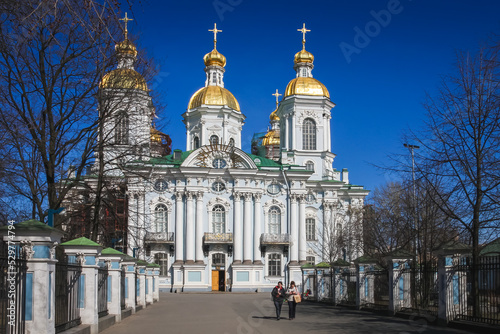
<point>485,306</point>
<point>348,286</point>
<point>102,292</point>
<point>67,290</point>
<point>380,279</point>
<point>13,269</point>
<point>122,289</point>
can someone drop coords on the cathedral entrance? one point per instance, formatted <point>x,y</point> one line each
<point>218,272</point>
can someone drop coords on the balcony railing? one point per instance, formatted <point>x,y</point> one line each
<point>274,239</point>
<point>160,237</point>
<point>218,238</point>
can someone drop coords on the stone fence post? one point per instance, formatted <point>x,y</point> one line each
<point>149,284</point>
<point>339,288</point>
<point>452,280</point>
<point>365,289</point>
<point>399,283</point>
<point>86,253</point>
<point>113,258</point>
<point>141,284</point>
<point>128,265</point>
<point>37,242</point>
<point>156,282</point>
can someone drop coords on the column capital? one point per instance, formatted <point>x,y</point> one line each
<point>257,197</point>
<point>189,195</point>
<point>293,198</point>
<point>302,198</point>
<point>248,197</point>
<point>178,195</point>
<point>237,196</point>
<point>199,195</point>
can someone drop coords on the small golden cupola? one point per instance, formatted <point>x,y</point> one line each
<point>271,140</point>
<point>124,76</point>
<point>304,83</point>
<point>214,92</point>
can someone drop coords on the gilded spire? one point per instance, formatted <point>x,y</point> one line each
<point>303,31</point>
<point>126,20</point>
<point>215,31</point>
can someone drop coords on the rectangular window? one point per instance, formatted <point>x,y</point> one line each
<point>274,264</point>
<point>310,229</point>
<point>311,260</point>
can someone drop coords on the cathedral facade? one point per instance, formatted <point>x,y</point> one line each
<point>213,216</point>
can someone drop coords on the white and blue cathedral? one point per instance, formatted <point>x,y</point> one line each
<point>217,218</point>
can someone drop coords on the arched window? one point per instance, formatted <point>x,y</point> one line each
<point>310,229</point>
<point>214,140</point>
<point>274,220</point>
<point>121,129</point>
<point>161,218</point>
<point>310,166</point>
<point>218,219</point>
<point>196,143</point>
<point>309,135</point>
<point>231,142</point>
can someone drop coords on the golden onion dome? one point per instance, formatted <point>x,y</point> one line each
<point>213,95</point>
<point>274,116</point>
<point>123,78</point>
<point>272,137</point>
<point>306,86</point>
<point>156,136</point>
<point>127,47</point>
<point>303,56</point>
<point>214,57</point>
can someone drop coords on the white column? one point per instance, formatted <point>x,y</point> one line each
<point>179,231</point>
<point>302,229</point>
<point>293,133</point>
<point>237,229</point>
<point>329,140</point>
<point>247,225</point>
<point>190,241</point>
<point>199,227</point>
<point>133,223</point>
<point>294,231</point>
<point>325,133</point>
<point>257,229</point>
<point>287,131</point>
<point>141,232</point>
<point>327,230</point>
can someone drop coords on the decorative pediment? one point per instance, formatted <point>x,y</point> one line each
<point>218,200</point>
<point>226,156</point>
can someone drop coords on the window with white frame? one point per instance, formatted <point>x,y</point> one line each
<point>274,220</point>
<point>309,134</point>
<point>121,129</point>
<point>311,260</point>
<point>218,219</point>
<point>310,166</point>
<point>161,218</point>
<point>310,229</point>
<point>274,264</point>
<point>196,143</point>
<point>161,259</point>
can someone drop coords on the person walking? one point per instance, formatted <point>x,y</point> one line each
<point>292,304</point>
<point>278,294</point>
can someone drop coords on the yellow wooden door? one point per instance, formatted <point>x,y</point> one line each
<point>215,280</point>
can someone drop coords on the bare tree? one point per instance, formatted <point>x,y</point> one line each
<point>460,147</point>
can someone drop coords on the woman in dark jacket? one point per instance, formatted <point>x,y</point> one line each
<point>278,298</point>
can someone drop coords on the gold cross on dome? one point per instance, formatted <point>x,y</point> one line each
<point>277,97</point>
<point>126,19</point>
<point>215,31</point>
<point>303,31</point>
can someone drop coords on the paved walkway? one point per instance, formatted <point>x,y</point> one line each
<point>254,313</point>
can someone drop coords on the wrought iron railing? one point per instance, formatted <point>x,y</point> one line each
<point>271,238</point>
<point>102,292</point>
<point>122,290</point>
<point>67,288</point>
<point>160,237</point>
<point>218,238</point>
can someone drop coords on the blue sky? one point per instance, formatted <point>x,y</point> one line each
<point>378,90</point>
